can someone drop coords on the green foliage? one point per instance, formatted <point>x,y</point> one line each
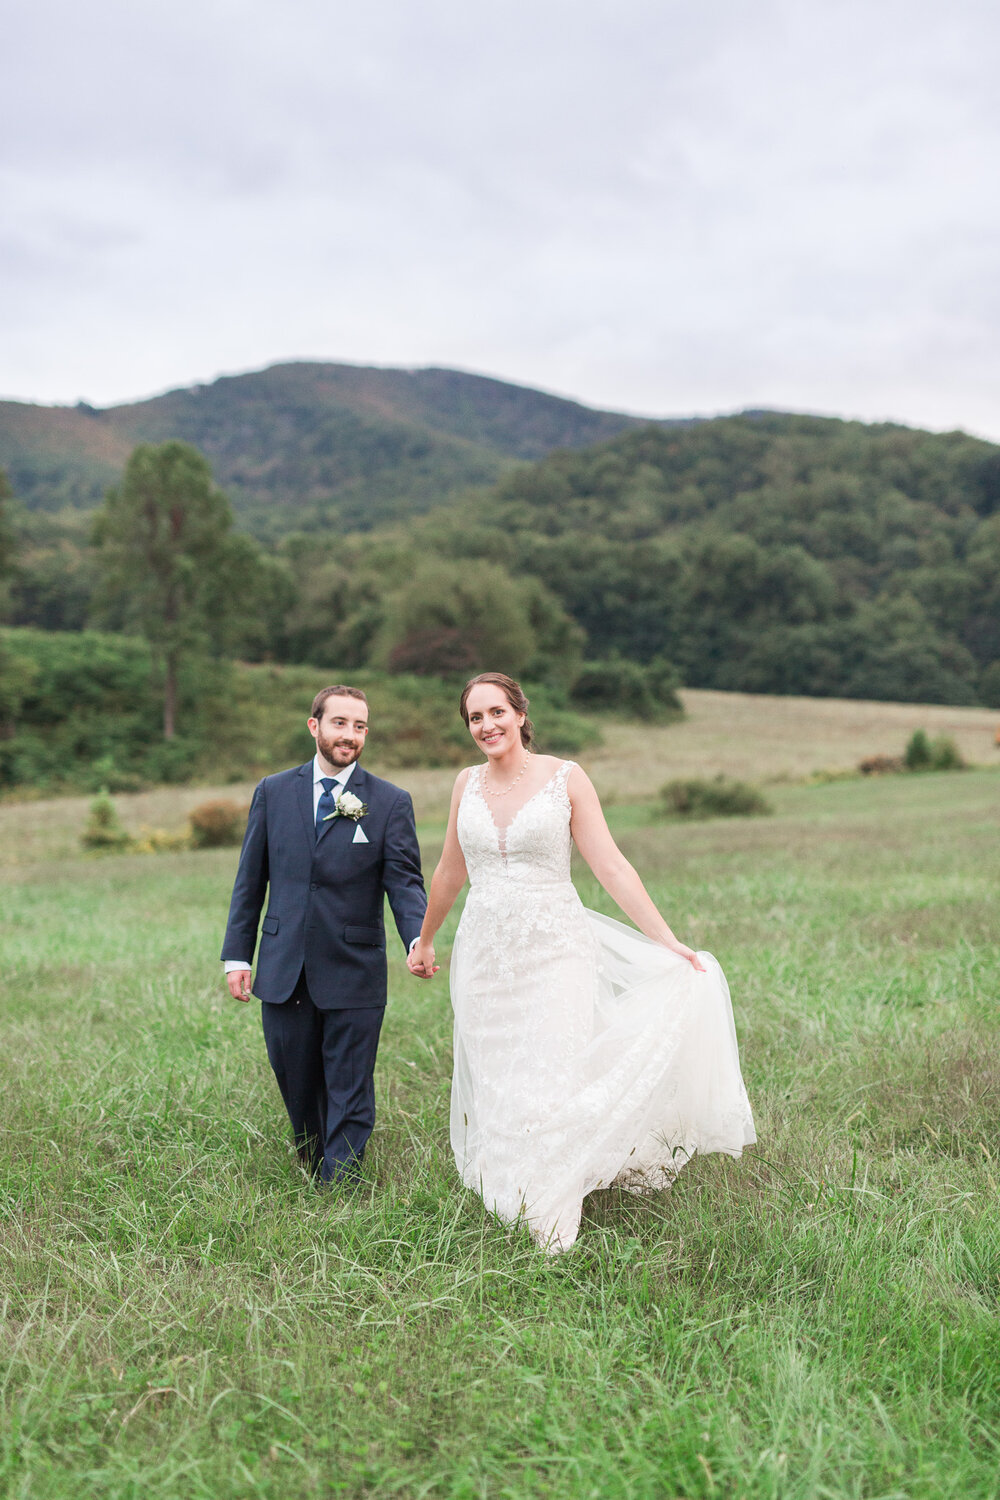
<point>217,824</point>
<point>634,690</point>
<point>170,570</point>
<point>366,603</point>
<point>989,685</point>
<point>939,754</point>
<point>558,730</point>
<point>719,797</point>
<point>79,711</point>
<point>452,621</point>
<point>82,710</point>
<point>762,553</point>
<point>103,832</point>
<point>766,553</point>
<point>8,540</point>
<point>917,755</point>
<point>414,721</point>
<point>945,754</point>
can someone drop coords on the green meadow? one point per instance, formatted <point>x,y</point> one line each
<point>186,1318</point>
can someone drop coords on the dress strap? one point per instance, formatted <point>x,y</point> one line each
<point>560,778</point>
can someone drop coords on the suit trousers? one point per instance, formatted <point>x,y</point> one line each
<point>324,1062</point>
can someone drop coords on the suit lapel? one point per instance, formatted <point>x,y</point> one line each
<point>304,797</point>
<point>358,783</point>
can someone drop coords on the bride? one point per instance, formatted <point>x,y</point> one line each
<point>586,1053</point>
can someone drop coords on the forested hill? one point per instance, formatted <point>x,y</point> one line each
<point>300,446</point>
<point>765,553</point>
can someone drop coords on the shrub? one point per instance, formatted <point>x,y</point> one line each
<point>939,754</point>
<point>718,798</point>
<point>103,831</point>
<point>881,765</point>
<point>215,824</point>
<point>161,841</point>
<point>945,754</point>
<point>917,755</point>
<point>616,684</point>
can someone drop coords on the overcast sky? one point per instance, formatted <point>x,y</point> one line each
<point>653,206</point>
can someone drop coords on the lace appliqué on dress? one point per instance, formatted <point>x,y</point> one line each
<point>584,1052</point>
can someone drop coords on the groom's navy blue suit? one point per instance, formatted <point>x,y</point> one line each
<point>321,970</point>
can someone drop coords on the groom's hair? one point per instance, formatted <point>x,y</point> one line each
<point>334,692</point>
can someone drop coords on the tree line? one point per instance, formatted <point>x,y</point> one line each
<point>763,553</point>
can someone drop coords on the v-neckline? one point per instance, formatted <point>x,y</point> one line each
<point>502,833</point>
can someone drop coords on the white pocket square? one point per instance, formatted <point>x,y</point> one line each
<point>360,837</point>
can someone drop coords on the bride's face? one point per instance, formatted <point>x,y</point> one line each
<point>493,724</point>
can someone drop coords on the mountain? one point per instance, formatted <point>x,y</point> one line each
<point>307,445</point>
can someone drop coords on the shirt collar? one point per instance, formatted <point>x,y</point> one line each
<point>343,776</point>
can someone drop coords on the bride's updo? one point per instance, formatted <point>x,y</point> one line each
<point>512,692</point>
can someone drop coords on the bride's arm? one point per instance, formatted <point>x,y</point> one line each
<point>446,882</point>
<point>592,837</point>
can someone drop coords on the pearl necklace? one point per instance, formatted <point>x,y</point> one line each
<point>488,790</point>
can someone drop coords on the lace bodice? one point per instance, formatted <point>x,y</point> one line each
<point>533,848</point>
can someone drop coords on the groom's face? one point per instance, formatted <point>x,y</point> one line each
<point>341,732</point>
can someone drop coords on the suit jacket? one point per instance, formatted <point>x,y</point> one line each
<point>325,905</point>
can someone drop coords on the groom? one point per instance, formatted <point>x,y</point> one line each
<point>329,840</point>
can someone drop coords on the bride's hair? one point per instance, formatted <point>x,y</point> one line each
<point>515,697</point>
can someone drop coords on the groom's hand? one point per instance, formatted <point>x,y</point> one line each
<point>239,982</point>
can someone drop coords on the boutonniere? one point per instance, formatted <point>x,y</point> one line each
<point>348,806</point>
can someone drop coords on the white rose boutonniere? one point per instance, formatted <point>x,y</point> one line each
<point>348,806</point>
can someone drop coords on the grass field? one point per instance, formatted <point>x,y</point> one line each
<point>183,1316</point>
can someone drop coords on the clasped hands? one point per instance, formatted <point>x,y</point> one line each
<point>420,960</point>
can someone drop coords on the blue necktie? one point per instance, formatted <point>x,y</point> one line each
<point>327,803</point>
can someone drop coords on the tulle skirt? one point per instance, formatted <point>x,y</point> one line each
<point>585,1055</point>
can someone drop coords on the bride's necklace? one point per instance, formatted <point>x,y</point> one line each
<point>488,789</point>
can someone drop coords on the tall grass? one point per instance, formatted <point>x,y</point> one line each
<point>185,1316</point>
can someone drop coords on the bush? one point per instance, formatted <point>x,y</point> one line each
<point>939,754</point>
<point>945,754</point>
<point>618,685</point>
<point>161,841</point>
<point>214,825</point>
<point>103,832</point>
<point>881,765</point>
<point>918,755</point>
<point>87,699</point>
<point>718,798</point>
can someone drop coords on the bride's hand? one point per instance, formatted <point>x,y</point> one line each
<point>689,954</point>
<point>420,960</point>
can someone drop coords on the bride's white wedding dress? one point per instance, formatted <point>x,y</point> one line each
<point>585,1053</point>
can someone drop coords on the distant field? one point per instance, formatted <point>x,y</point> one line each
<point>752,736</point>
<point>183,1318</point>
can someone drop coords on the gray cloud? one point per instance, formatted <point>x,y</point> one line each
<point>643,204</point>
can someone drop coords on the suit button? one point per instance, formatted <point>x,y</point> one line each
<point>313,886</point>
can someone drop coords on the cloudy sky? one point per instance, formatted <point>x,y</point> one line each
<point>648,205</point>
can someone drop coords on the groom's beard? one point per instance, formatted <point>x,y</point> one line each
<point>338,751</point>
